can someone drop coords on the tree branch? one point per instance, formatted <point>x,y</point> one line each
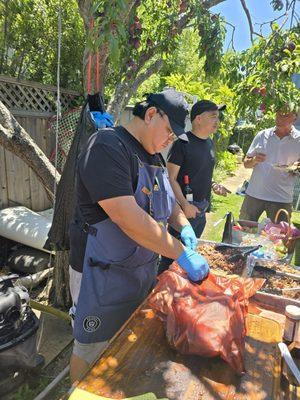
<point>15,139</point>
<point>125,90</point>
<point>248,15</point>
<point>232,36</point>
<point>156,66</point>
<point>247,12</point>
<point>269,22</point>
<point>293,13</point>
<point>211,3</point>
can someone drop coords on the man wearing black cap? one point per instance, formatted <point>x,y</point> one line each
<point>124,202</point>
<point>190,166</point>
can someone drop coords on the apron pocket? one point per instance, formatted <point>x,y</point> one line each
<point>138,258</point>
<point>120,286</point>
<point>160,205</point>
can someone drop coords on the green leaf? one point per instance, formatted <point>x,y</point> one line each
<point>96,5</point>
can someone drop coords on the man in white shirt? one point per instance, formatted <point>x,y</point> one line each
<point>271,186</point>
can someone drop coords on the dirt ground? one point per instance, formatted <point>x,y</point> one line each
<point>234,182</point>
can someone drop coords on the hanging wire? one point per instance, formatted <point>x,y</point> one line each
<point>58,105</point>
<point>58,116</point>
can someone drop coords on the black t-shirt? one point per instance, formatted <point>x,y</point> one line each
<point>108,168</point>
<point>196,159</point>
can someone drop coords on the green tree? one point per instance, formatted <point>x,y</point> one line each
<point>136,39</point>
<point>28,41</point>
<point>265,74</point>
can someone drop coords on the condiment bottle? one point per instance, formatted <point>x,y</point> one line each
<point>291,337</point>
<point>292,325</point>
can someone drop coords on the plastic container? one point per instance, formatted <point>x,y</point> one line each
<point>292,324</point>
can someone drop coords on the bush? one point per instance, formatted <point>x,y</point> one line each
<point>243,136</point>
<point>226,161</point>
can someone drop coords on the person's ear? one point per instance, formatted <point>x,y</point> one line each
<point>198,118</point>
<point>150,113</point>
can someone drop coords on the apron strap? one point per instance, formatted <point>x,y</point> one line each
<point>86,228</point>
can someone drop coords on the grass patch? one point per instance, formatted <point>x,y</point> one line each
<point>220,206</point>
<point>233,202</point>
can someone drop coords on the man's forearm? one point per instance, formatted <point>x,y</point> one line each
<point>178,192</point>
<point>178,219</point>
<point>142,228</point>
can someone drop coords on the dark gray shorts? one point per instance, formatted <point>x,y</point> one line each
<point>252,208</point>
<point>89,352</point>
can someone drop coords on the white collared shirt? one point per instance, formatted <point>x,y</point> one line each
<point>267,182</point>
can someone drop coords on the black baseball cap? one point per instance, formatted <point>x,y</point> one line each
<point>173,104</point>
<point>205,105</point>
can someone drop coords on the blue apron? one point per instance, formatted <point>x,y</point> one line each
<point>118,274</point>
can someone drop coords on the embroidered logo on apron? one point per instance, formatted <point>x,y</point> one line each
<point>91,323</point>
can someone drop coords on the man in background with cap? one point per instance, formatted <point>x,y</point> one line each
<point>124,202</point>
<point>191,164</point>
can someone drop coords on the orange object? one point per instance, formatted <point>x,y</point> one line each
<point>207,318</point>
<point>237,228</point>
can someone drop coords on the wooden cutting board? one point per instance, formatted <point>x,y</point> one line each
<point>139,360</point>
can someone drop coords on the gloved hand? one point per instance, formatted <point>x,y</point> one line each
<point>188,237</point>
<point>194,264</point>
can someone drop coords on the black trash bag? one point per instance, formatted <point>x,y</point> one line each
<point>58,236</point>
<point>26,260</point>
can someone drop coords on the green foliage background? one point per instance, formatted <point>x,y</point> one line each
<point>266,71</point>
<point>28,41</point>
<point>194,63</point>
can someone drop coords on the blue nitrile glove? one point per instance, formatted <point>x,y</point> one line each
<point>188,237</point>
<point>194,264</point>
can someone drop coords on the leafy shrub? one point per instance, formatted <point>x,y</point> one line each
<point>226,161</point>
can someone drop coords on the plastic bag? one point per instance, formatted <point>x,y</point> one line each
<point>207,318</point>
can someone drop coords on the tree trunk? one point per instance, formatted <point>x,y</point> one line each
<point>124,92</point>
<point>61,294</point>
<point>15,139</point>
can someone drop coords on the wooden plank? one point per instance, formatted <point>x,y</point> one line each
<point>53,336</point>
<point>35,189</point>
<point>17,179</point>
<point>25,113</point>
<point>139,360</point>
<point>42,131</point>
<point>3,180</point>
<point>39,197</point>
<point>21,186</point>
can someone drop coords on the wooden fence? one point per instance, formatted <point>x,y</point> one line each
<point>32,104</point>
<point>19,184</point>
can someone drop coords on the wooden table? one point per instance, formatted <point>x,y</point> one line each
<point>139,360</point>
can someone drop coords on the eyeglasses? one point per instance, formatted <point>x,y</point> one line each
<point>159,112</point>
<point>162,114</point>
